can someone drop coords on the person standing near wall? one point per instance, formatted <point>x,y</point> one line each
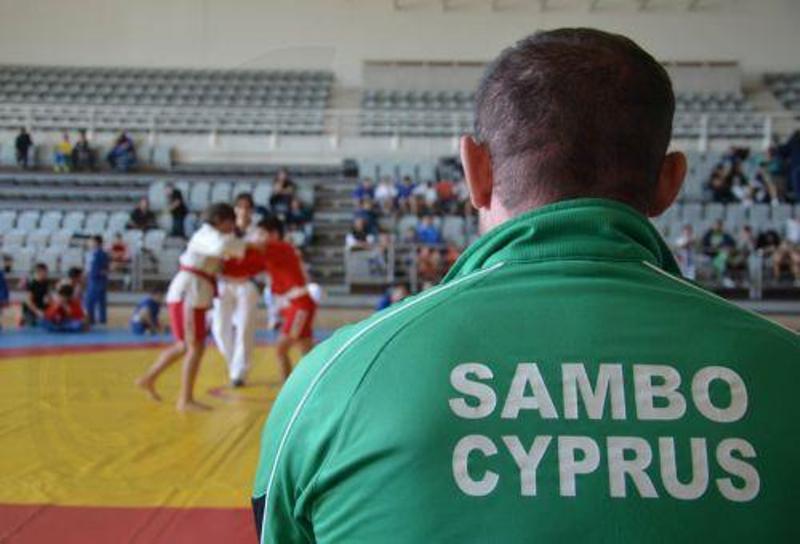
<point>97,281</point>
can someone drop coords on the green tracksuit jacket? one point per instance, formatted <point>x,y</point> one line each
<point>563,384</point>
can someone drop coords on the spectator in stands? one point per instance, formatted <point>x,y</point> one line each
<point>283,191</point>
<point>763,188</point>
<point>685,250</point>
<point>739,184</point>
<point>425,198</point>
<point>406,202</point>
<point>38,296</point>
<point>145,316</point>
<point>428,266</point>
<point>64,313</point>
<point>409,236</point>
<point>298,223</point>
<point>745,247</point>
<point>790,152</point>
<point>365,189</point>
<point>142,217</point>
<point>793,230</point>
<point>119,254</point>
<point>83,157</point>
<point>720,187</point>
<point>122,156</point>
<point>369,213</point>
<point>427,232</point>
<point>786,257</point>
<point>768,241</point>
<point>385,195</point>
<point>97,281</point>
<point>359,237</point>
<point>4,298</point>
<point>178,211</point>
<point>23,145</point>
<point>718,245</point>
<point>451,255</point>
<point>445,196</point>
<point>392,295</point>
<point>63,154</point>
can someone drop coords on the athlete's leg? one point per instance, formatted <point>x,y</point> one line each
<point>191,365</point>
<point>165,359</point>
<point>222,321</point>
<point>282,347</point>
<point>245,321</point>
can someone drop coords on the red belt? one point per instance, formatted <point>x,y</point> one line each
<point>210,278</point>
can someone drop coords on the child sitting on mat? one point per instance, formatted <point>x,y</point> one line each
<point>64,313</point>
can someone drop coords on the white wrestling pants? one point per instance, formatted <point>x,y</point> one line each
<point>234,324</point>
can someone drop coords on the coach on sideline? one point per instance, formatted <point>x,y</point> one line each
<point>563,384</point>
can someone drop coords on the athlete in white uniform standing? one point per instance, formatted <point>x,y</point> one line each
<point>234,314</point>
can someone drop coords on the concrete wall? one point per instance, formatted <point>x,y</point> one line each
<point>342,34</point>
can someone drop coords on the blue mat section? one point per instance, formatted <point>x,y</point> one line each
<point>33,338</point>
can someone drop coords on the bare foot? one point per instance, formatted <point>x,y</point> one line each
<point>149,387</point>
<point>192,406</point>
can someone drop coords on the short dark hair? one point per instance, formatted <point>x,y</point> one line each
<point>272,224</point>
<point>245,196</point>
<point>98,239</point>
<point>574,112</point>
<point>65,290</point>
<point>40,266</point>
<point>218,212</point>
<point>74,272</point>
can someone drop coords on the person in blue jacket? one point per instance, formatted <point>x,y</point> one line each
<point>96,281</point>
<point>145,316</point>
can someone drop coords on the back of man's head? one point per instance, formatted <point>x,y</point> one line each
<point>574,113</point>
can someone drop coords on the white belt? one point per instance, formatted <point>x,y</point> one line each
<point>295,292</point>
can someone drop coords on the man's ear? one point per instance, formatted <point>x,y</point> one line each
<point>478,171</point>
<point>670,181</point>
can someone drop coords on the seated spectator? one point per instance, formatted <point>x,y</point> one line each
<point>427,233</point>
<point>142,217</point>
<point>122,156</point>
<point>685,248</point>
<point>445,196</point>
<point>37,298</point>
<point>720,187</point>
<point>83,157</point>
<point>451,255</point>
<point>406,201</point>
<point>62,157</point>
<point>718,246</point>
<point>359,237</point>
<point>393,295</point>
<point>768,241</point>
<point>763,189</point>
<point>745,247</point>
<point>428,266</point>
<point>283,192</point>
<point>4,297</point>
<point>145,316</point>
<point>119,254</point>
<point>409,236</point>
<point>786,257</point>
<point>385,195</point>
<point>793,230</point>
<point>365,189</point>
<point>64,313</point>
<point>23,144</point>
<point>177,211</point>
<point>739,184</point>
<point>298,224</point>
<point>369,213</point>
<point>425,198</point>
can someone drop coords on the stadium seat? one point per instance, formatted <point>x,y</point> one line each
<point>221,192</point>
<point>51,220</point>
<point>261,193</point>
<point>39,239</point>
<point>72,257</point>
<point>242,187</point>
<point>405,223</point>
<point>61,238</point>
<point>117,222</point>
<point>133,239</point>
<point>453,230</point>
<point>96,223</point>
<point>7,220</point>
<point>50,256</point>
<point>15,237</point>
<point>74,221</point>
<point>157,196</point>
<point>154,240</point>
<point>199,195</point>
<point>28,220</point>
<point>22,259</point>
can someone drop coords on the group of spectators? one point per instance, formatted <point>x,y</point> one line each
<point>726,257</point>
<point>80,155</point>
<point>427,201</point>
<point>70,304</point>
<point>767,177</point>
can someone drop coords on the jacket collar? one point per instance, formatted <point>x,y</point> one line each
<point>579,229</point>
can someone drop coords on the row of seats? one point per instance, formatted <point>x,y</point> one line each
<point>199,194</point>
<point>786,88</point>
<point>734,216</point>
<point>455,229</point>
<point>53,221</point>
<point>165,87</point>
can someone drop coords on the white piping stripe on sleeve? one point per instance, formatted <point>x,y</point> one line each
<point>714,295</point>
<point>327,365</point>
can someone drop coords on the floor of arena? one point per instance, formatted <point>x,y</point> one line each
<point>87,457</point>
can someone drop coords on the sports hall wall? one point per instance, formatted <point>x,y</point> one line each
<point>341,34</point>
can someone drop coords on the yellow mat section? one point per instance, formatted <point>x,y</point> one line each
<point>75,431</point>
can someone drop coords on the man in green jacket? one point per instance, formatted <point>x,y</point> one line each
<point>563,384</point>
